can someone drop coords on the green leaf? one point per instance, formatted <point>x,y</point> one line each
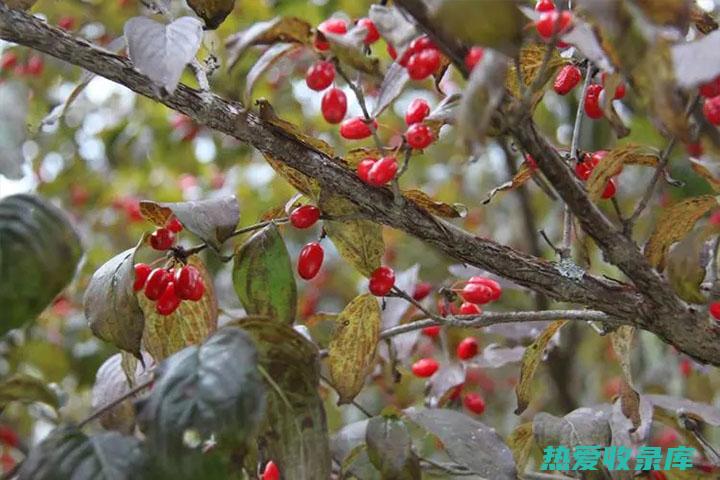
<point>583,426</point>
<point>294,433</point>
<point>352,349</point>
<point>263,277</point>
<point>349,49</point>
<point>392,86</point>
<point>360,242</point>
<point>68,453</point>
<point>390,449</point>
<point>39,253</point>
<point>111,307</point>
<point>26,389</point>
<point>211,388</point>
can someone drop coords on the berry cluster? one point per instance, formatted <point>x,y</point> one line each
<point>552,22</point>
<point>711,107</point>
<point>33,67</point>
<point>164,237</point>
<point>479,291</point>
<point>421,58</point>
<point>592,103</point>
<point>587,164</point>
<point>169,287</point>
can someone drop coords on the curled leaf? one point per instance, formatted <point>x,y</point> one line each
<point>521,442</point>
<point>612,164</point>
<point>393,26</point>
<point>392,86</point>
<point>532,57</point>
<point>26,389</point>
<point>278,30</point>
<point>441,209</point>
<point>271,56</point>
<point>348,49</point>
<point>701,169</point>
<point>521,177</point>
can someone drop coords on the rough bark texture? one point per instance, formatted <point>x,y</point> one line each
<point>651,305</point>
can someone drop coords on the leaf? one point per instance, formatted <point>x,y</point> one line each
<point>304,184</point>
<point>13,128</point>
<point>441,209</point>
<point>390,449</point>
<point>468,442</point>
<point>278,30</point>
<point>531,359</point>
<point>532,57</point>
<point>357,155</point>
<point>294,433</point>
<point>161,52</point>
<point>349,50</point>
<point>688,71</point>
<point>69,453</point>
<point>686,265</point>
<point>212,220</point>
<point>700,168</point>
<point>622,339</point>
<point>701,411</point>
<point>444,113</point>
<point>583,426</point>
<point>190,324</point>
<point>393,26</point>
<point>110,384</point>
<point>267,60</point>
<point>26,389</point>
<point>667,12</point>
<point>583,37</point>
<point>392,86</point>
<point>360,242</point>
<point>521,442</point>
<point>674,223</point>
<point>494,356</point>
<point>111,307</point>
<point>213,12</point>
<point>263,277</point>
<point>442,385</point>
<point>39,254</point>
<point>352,349</point>
<point>702,20</point>
<point>211,388</point>
<point>521,177</point>
<point>395,311</point>
<point>612,164</point>
<point>624,433</point>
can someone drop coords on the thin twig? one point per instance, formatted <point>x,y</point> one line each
<point>357,90</point>
<point>106,408</point>
<point>186,252</point>
<point>574,150</point>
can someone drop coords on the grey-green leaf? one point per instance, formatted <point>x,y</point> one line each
<point>24,388</point>
<point>69,453</point>
<point>583,426</point>
<point>39,254</point>
<point>390,449</point>
<point>263,277</point>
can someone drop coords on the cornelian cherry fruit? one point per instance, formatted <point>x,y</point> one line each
<point>382,171</point>
<point>567,78</point>
<point>355,128</point>
<point>432,332</point>
<point>305,216</point>
<point>363,169</point>
<point>467,348</point>
<point>162,239</point>
<point>310,260</point>
<point>333,25</point>
<point>35,66</point>
<point>544,6</point>
<point>334,105</point>
<point>476,293</point>
<point>186,282</point>
<point>419,136</point>
<point>423,64</point>
<point>711,89</point>
<point>591,102</point>
<point>67,22</point>
<point>168,301</point>
<point>372,32</point>
<point>8,60</point>
<point>320,75</point>
<point>174,225</point>
<point>473,57</point>
<point>553,21</point>
<point>425,367</point>
<point>417,111</point>
<point>494,286</point>
<point>711,110</point>
<point>474,402</point>
<point>468,308</point>
<point>156,283</point>
<point>271,472</point>
<point>142,271</point>
<point>381,281</point>
<point>422,290</point>
<point>714,309</point>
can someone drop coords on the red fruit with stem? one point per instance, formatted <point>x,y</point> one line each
<point>476,293</point>
<point>363,169</point>
<point>417,111</point>
<point>467,348</point>
<point>35,66</point>
<point>431,332</point>
<point>423,64</point>
<point>422,43</point>
<point>473,57</point>
<point>334,105</point>
<point>372,32</point>
<point>162,239</point>
<point>610,190</point>
<point>382,171</point>
<point>591,102</point>
<point>686,367</point>
<point>320,75</point>
<point>711,109</point>
<point>544,6</point>
<point>584,169</point>
<point>174,225</point>
<point>8,61</point>
<point>620,90</point>
<point>186,280</point>
<point>382,281</point>
<point>694,149</point>
<point>271,472</point>
<point>421,291</point>
<point>494,286</point>
<point>714,309</point>
<point>197,292</point>
<point>419,136</point>
<point>474,402</point>
<point>567,78</point>
<point>305,216</point>
<point>468,308</point>
<point>66,22</point>
<point>142,271</point>
<point>355,128</point>
<point>310,260</point>
<point>156,283</point>
<point>9,437</point>
<point>553,22</point>
<point>425,367</point>
<point>711,89</point>
<point>168,301</point>
<point>333,25</point>
<point>391,51</point>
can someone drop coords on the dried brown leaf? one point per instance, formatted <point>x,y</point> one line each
<point>441,209</point>
<point>521,177</point>
<point>613,163</point>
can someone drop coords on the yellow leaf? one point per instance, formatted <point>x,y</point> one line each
<point>360,242</point>
<point>686,262</point>
<point>704,172</point>
<point>674,223</point>
<point>352,349</point>
<point>622,340</point>
<point>530,361</point>
<point>357,155</point>
<point>277,30</point>
<point>613,163</point>
<point>521,442</point>
<point>268,115</point>
<point>521,177</point>
<point>532,56</point>
<point>703,21</point>
<point>423,200</point>
<point>667,12</point>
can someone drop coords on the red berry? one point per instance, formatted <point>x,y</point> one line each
<point>494,286</point>
<point>372,32</point>
<point>320,75</point>
<point>421,43</point>
<point>431,331</point>
<point>567,78</point>
<point>142,270</point>
<point>305,216</point>
<point>553,21</point>
<point>423,64</point>
<point>476,293</point>
<point>35,66</point>
<point>474,402</point>
<point>584,169</point>
<point>544,6</point>
<point>468,308</point>
<point>168,301</point>
<point>422,290</point>
<point>381,281</point>
<point>714,309</point>
<point>473,57</point>
<point>363,169</point>
<point>197,292</point>
<point>417,111</point>
<point>332,25</point>
<point>382,171</point>
<point>668,438</point>
<point>711,89</point>
<point>686,367</point>
<point>186,280</point>
<point>156,283</point>
<point>8,61</point>
<point>174,225</point>
<point>425,367</point>
<point>162,239</point>
<point>711,109</point>
<point>334,105</point>
<point>620,90</point>
<point>531,162</point>
<point>271,472</point>
<point>610,190</point>
<point>310,260</point>
<point>391,51</point>
<point>467,349</point>
<point>695,149</point>
<point>419,136</point>
<point>355,128</point>
<point>592,101</point>
<point>9,437</point>
<point>66,23</point>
